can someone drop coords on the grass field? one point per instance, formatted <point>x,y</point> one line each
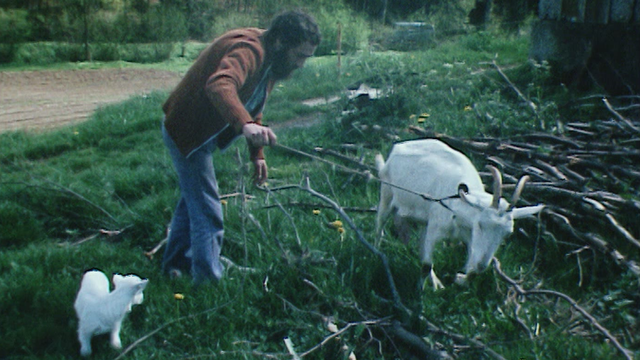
<point>100,194</point>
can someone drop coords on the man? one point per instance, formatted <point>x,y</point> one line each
<point>220,98</point>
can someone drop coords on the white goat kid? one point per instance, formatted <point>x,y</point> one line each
<point>431,168</point>
<point>100,311</point>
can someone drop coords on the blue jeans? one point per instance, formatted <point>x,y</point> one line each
<point>196,232</point>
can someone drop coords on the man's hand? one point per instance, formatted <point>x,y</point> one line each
<point>260,171</point>
<point>259,135</point>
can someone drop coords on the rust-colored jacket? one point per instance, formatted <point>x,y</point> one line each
<point>208,101</point>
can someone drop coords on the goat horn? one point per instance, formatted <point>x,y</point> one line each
<point>516,193</point>
<point>497,186</point>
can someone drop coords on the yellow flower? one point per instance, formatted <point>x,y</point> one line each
<point>341,230</point>
<point>223,202</point>
<point>468,108</point>
<point>423,117</point>
<point>337,224</point>
<point>412,117</point>
<point>178,296</point>
<point>316,212</point>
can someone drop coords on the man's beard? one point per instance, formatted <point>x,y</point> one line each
<point>280,67</point>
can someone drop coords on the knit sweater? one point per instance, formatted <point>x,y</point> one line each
<point>209,100</point>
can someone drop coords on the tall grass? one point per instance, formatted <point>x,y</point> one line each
<point>101,193</point>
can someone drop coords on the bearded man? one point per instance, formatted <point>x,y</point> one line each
<point>221,98</point>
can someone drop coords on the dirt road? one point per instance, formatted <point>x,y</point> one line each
<point>41,100</point>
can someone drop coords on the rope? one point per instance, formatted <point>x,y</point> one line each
<point>369,175</point>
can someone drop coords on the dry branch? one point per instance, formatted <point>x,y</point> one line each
<point>628,354</point>
<point>385,262</point>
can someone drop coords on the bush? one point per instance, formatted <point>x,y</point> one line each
<point>146,53</point>
<point>231,21</point>
<point>39,53</point>
<point>105,52</point>
<point>14,26</point>
<point>7,53</point>
<point>355,30</point>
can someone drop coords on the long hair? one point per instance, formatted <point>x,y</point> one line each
<point>293,28</point>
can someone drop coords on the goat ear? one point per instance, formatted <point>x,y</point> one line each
<point>526,211</point>
<point>143,284</point>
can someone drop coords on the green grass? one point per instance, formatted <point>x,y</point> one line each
<point>59,189</point>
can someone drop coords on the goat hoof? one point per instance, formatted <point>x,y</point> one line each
<point>437,284</point>
<point>461,279</point>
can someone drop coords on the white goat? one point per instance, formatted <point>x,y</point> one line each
<point>100,311</point>
<point>433,169</point>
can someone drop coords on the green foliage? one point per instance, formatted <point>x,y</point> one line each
<point>354,30</point>
<point>230,21</point>
<point>450,16</point>
<point>14,26</point>
<point>146,53</point>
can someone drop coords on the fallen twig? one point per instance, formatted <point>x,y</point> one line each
<point>620,118</point>
<point>342,331</point>
<point>529,103</point>
<point>628,354</point>
<point>385,262</point>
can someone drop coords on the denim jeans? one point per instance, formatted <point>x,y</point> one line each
<point>196,230</point>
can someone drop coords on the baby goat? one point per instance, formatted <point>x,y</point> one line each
<point>429,167</point>
<point>100,311</point>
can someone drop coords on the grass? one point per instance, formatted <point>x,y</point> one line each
<point>60,189</point>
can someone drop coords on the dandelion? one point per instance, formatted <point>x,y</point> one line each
<point>412,117</point>
<point>468,108</point>
<point>341,230</point>
<point>223,202</point>
<point>337,224</point>
<point>316,212</point>
<point>178,297</point>
<point>423,117</point>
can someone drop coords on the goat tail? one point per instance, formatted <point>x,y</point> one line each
<point>379,162</point>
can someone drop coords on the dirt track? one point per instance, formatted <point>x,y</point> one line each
<point>40,100</point>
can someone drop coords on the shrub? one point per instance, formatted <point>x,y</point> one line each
<point>105,52</point>
<point>354,29</point>
<point>146,53</point>
<point>14,26</point>
<point>7,53</point>
<point>230,21</point>
<point>39,53</point>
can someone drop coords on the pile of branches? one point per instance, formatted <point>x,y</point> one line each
<point>588,176</point>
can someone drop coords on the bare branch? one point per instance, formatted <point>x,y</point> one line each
<point>628,354</point>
